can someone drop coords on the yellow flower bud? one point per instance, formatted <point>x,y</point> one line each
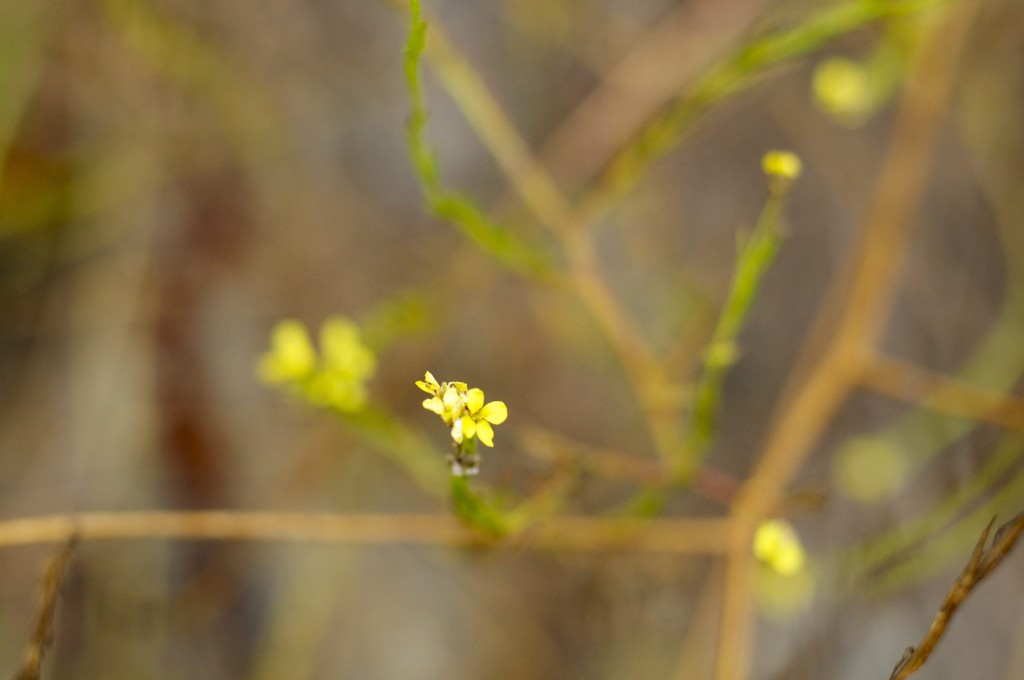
<point>784,164</point>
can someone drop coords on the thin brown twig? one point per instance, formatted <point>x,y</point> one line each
<point>983,562</point>
<point>663,59</point>
<point>696,659</point>
<point>542,195</point>
<point>42,633</point>
<point>903,380</point>
<point>673,536</point>
<point>556,448</point>
<point>623,333</point>
<point>487,117</point>
<point>732,653</point>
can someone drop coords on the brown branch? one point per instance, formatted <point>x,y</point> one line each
<point>982,563</point>
<point>672,536</point>
<point>555,448</point>
<point>488,119</point>
<point>660,63</point>
<point>42,634</point>
<point>850,322</point>
<point>903,380</point>
<point>696,658</point>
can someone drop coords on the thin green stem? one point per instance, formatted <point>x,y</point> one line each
<point>874,554</point>
<point>755,254</point>
<point>406,447</point>
<point>474,511</point>
<point>453,206</point>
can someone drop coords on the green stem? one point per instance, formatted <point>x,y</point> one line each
<point>755,255</point>
<point>453,206</point>
<point>474,511</point>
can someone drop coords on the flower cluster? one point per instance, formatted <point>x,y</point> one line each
<point>464,411</point>
<point>336,378</point>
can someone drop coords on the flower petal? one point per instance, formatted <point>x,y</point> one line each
<point>457,434</point>
<point>338,336</point>
<point>291,355</point>
<point>434,405</point>
<point>474,399</point>
<point>429,385</point>
<point>788,560</point>
<point>469,427</point>
<point>495,412</point>
<point>452,400</point>
<point>485,433</point>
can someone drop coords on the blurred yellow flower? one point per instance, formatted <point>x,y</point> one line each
<point>871,469</point>
<point>336,378</point>
<point>777,545</point>
<point>343,351</point>
<point>783,596</point>
<point>291,356</point>
<point>783,164</point>
<point>843,88</point>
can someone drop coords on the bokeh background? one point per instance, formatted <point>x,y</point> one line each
<point>177,176</point>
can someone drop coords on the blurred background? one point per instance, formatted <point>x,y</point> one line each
<point>178,176</point>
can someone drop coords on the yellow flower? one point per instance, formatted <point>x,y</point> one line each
<point>337,391</point>
<point>844,89</point>
<point>343,351</point>
<point>783,164</point>
<point>777,545</point>
<point>336,379</point>
<point>446,401</point>
<point>478,418</point>
<point>463,409</point>
<point>429,384</point>
<point>784,596</point>
<point>291,356</point>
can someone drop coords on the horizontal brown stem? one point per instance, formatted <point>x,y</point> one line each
<point>905,381</point>
<point>676,536</point>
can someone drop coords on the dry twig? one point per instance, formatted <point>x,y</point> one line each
<point>42,634</point>
<point>903,380</point>
<point>983,561</point>
<point>670,536</point>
